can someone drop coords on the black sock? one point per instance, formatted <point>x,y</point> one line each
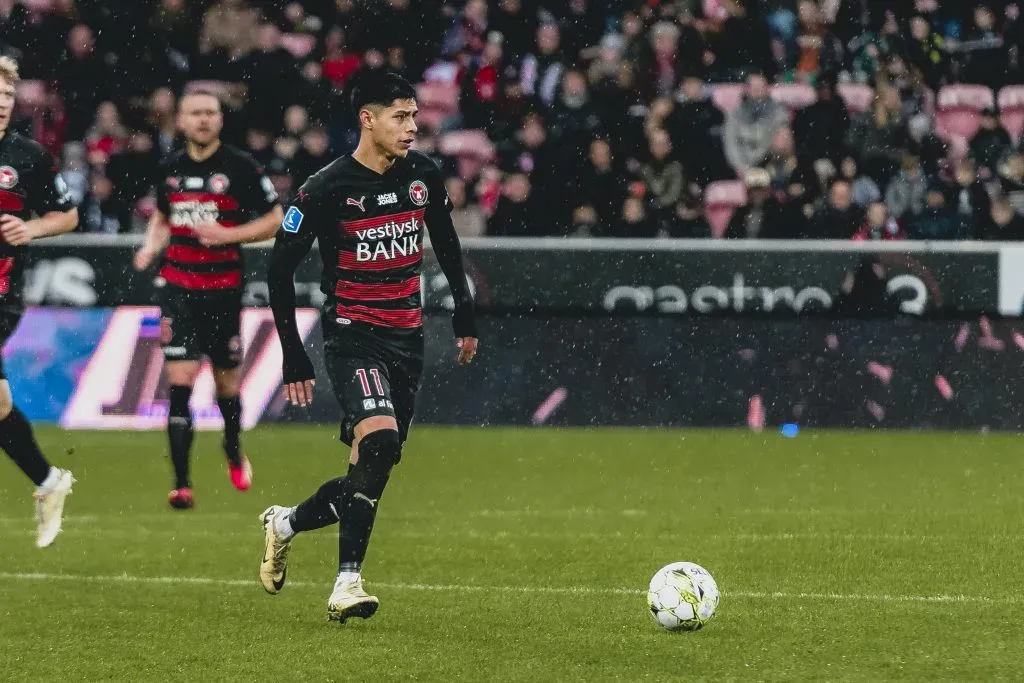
<point>378,453</point>
<point>17,439</point>
<point>321,509</point>
<point>179,433</point>
<point>231,411</point>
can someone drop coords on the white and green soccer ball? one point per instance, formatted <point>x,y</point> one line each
<point>682,596</point>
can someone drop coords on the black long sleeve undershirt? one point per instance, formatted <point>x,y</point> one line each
<point>448,252</point>
<point>289,250</point>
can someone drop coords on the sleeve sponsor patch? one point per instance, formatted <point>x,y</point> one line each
<point>292,220</point>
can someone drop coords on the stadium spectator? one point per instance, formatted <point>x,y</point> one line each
<point>991,143</point>
<point>663,178</point>
<point>763,216</point>
<point>542,69</point>
<point>694,125</point>
<point>1011,181</point>
<point>907,193</point>
<point>938,221</point>
<point>750,127</point>
<point>863,189</point>
<point>967,195</point>
<point>544,79</point>
<point>468,218</point>
<point>635,221</point>
<point>517,212</point>
<point>82,79</point>
<point>517,25</point>
<point>229,32</point>
<point>879,225</point>
<point>1004,224</point>
<point>601,183</point>
<point>879,135</point>
<point>821,128</point>
<point>836,217</point>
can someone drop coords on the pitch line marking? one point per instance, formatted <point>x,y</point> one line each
<point>539,590</point>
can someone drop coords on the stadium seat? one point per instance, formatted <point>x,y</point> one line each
<point>437,102</point>
<point>794,95</point>
<point>299,44</point>
<point>1011,110</point>
<point>726,96</point>
<point>472,148</point>
<point>857,96</point>
<point>30,94</point>
<point>438,96</point>
<point>721,199</point>
<point>959,110</point>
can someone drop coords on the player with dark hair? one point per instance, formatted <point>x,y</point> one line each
<point>29,184</point>
<point>368,211</point>
<point>211,199</point>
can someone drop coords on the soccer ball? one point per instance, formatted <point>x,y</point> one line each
<point>682,597</point>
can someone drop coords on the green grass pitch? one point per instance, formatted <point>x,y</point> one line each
<point>522,555</point>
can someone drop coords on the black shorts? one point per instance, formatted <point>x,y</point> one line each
<point>373,375</point>
<point>196,325</point>
<point>9,319</point>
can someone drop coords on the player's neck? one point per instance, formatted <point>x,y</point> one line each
<point>201,152</point>
<point>368,155</point>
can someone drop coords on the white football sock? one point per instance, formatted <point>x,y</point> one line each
<point>283,525</point>
<point>51,480</point>
<point>345,578</point>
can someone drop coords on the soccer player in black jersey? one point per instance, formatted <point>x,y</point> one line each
<point>367,210</point>
<point>211,198</point>
<point>29,186</point>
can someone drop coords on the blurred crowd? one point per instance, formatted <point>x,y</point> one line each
<point>839,119</point>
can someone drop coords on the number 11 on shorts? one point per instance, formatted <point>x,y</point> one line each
<point>365,381</point>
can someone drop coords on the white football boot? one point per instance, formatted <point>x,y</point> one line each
<point>350,600</point>
<point>274,567</point>
<point>50,508</point>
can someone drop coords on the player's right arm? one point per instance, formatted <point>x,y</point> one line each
<point>294,240</point>
<point>158,234</point>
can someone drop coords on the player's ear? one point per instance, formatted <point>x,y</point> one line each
<point>366,117</point>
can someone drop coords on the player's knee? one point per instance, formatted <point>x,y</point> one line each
<point>182,373</point>
<point>6,401</point>
<point>228,383</point>
<point>379,451</point>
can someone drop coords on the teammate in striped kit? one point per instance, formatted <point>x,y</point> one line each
<point>368,211</point>
<point>211,199</point>
<point>34,203</point>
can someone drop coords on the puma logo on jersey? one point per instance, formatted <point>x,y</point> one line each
<point>356,202</point>
<point>371,501</point>
<point>387,198</point>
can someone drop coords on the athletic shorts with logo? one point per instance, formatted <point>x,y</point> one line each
<point>206,324</point>
<point>373,373</point>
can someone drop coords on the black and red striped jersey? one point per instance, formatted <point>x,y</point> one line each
<point>229,188</point>
<point>29,186</point>
<point>370,229</point>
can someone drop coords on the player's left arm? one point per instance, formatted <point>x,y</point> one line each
<point>448,251</point>
<point>50,201</point>
<point>259,194</point>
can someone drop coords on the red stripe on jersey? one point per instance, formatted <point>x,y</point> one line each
<point>224,202</point>
<point>188,280</point>
<point>10,201</point>
<point>376,292</point>
<point>6,266</point>
<point>347,261</point>
<point>187,254</point>
<point>377,221</point>
<point>409,317</point>
<point>185,231</point>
